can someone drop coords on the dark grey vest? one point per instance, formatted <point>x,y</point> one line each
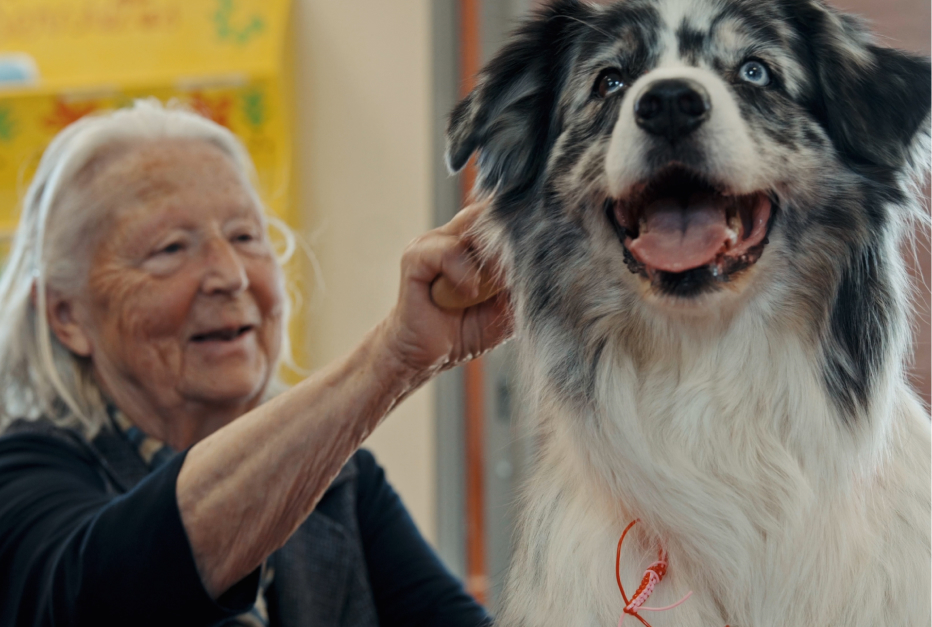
<point>320,573</point>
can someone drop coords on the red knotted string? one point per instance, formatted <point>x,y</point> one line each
<point>652,577</point>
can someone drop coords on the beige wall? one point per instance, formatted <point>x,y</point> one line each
<point>364,183</point>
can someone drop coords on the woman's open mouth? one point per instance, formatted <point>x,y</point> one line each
<point>227,334</point>
<point>685,234</point>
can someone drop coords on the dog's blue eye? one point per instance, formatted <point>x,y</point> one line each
<point>755,72</point>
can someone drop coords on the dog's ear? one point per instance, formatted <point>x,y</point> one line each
<point>510,117</point>
<point>874,102</point>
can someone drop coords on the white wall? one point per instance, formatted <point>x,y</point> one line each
<point>364,182</point>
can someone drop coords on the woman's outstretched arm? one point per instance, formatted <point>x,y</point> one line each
<point>243,490</point>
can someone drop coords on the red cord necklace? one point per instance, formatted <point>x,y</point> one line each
<point>652,576</point>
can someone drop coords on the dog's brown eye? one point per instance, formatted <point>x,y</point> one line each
<point>609,82</point>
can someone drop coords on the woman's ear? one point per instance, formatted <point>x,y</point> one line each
<point>63,314</point>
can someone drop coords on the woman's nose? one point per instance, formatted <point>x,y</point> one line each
<point>224,270</point>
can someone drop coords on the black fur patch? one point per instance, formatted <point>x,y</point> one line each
<point>871,111</point>
<point>859,329</point>
<point>692,42</point>
<point>510,118</point>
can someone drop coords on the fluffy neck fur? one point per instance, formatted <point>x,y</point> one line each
<point>728,449</point>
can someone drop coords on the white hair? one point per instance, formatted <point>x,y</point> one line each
<point>40,377</point>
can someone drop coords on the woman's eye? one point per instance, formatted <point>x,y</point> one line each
<point>755,72</point>
<point>171,249</point>
<point>243,238</point>
<point>609,82</point>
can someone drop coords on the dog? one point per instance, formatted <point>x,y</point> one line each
<point>699,207</point>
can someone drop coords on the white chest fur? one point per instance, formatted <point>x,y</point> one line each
<point>773,512</point>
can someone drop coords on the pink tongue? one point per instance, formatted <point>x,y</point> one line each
<point>676,238</point>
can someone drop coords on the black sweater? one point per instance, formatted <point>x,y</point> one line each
<point>73,554</point>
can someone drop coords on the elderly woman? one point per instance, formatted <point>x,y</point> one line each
<point>147,475</point>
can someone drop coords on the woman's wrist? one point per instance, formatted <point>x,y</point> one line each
<point>393,363</point>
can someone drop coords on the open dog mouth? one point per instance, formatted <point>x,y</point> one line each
<point>683,233</point>
<point>222,335</point>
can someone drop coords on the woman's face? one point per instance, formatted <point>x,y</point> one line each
<point>184,295</point>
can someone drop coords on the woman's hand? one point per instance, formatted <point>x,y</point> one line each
<point>426,338</point>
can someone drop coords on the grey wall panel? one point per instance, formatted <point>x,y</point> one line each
<point>449,388</point>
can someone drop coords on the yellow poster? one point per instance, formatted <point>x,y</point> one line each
<point>226,59</point>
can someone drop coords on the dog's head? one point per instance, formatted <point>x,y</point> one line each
<point>676,156</point>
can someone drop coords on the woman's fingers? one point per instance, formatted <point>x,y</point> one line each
<point>447,294</point>
<point>465,218</point>
<point>496,320</point>
<point>456,279</point>
<point>450,306</point>
<point>434,254</point>
<point>463,281</point>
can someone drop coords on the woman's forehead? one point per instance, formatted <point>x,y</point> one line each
<point>167,172</point>
<point>172,160</point>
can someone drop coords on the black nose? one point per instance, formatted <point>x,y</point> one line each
<point>672,108</point>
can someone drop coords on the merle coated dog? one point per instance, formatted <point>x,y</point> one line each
<point>699,206</point>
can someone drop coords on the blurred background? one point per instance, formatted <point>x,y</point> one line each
<point>342,104</point>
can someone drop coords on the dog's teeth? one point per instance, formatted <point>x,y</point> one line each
<point>734,230</point>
